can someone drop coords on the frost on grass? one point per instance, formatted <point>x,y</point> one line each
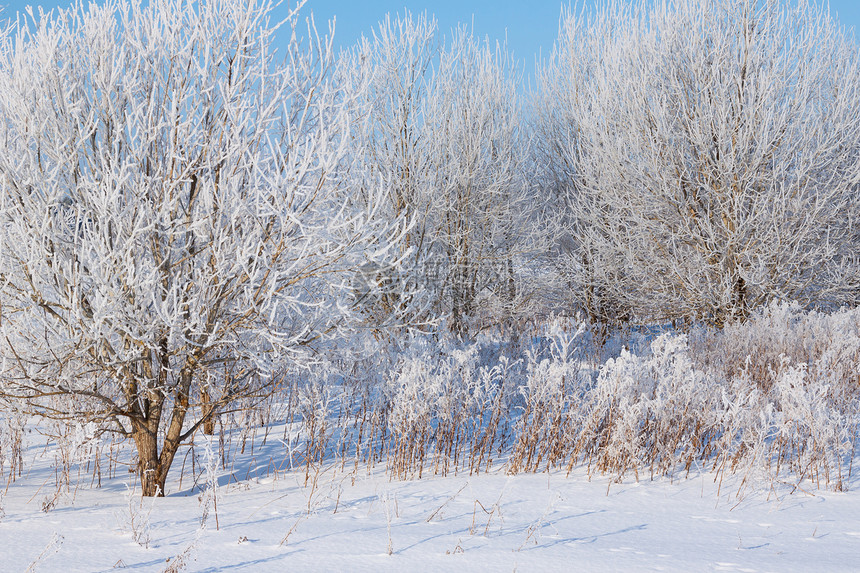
<point>344,441</point>
<point>772,401</point>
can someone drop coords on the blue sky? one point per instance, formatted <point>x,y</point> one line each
<point>529,25</point>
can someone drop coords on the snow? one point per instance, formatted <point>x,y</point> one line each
<point>303,480</point>
<point>358,519</point>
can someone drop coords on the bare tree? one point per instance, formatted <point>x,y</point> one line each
<point>709,153</point>
<point>169,230</point>
<point>474,128</point>
<point>388,77</point>
<point>440,131</point>
<point>559,105</point>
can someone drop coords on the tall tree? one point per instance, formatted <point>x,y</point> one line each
<point>709,152</point>
<point>388,76</point>
<point>440,131</point>
<point>169,229</point>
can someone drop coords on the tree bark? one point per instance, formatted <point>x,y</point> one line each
<point>208,413</point>
<point>154,465</point>
<point>150,471</point>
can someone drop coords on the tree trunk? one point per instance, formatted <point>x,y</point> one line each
<point>740,300</point>
<point>208,413</point>
<point>153,466</point>
<point>149,467</point>
<point>511,288</point>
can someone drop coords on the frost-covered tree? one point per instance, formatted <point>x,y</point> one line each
<point>478,208</point>
<point>388,76</point>
<point>170,234</point>
<point>708,154</point>
<point>440,131</point>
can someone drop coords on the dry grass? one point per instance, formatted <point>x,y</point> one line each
<point>775,400</point>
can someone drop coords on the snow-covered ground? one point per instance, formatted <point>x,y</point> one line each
<point>360,520</point>
<point>300,481</point>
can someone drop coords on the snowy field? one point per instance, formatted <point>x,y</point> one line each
<point>360,520</point>
<point>677,464</point>
<point>384,309</point>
